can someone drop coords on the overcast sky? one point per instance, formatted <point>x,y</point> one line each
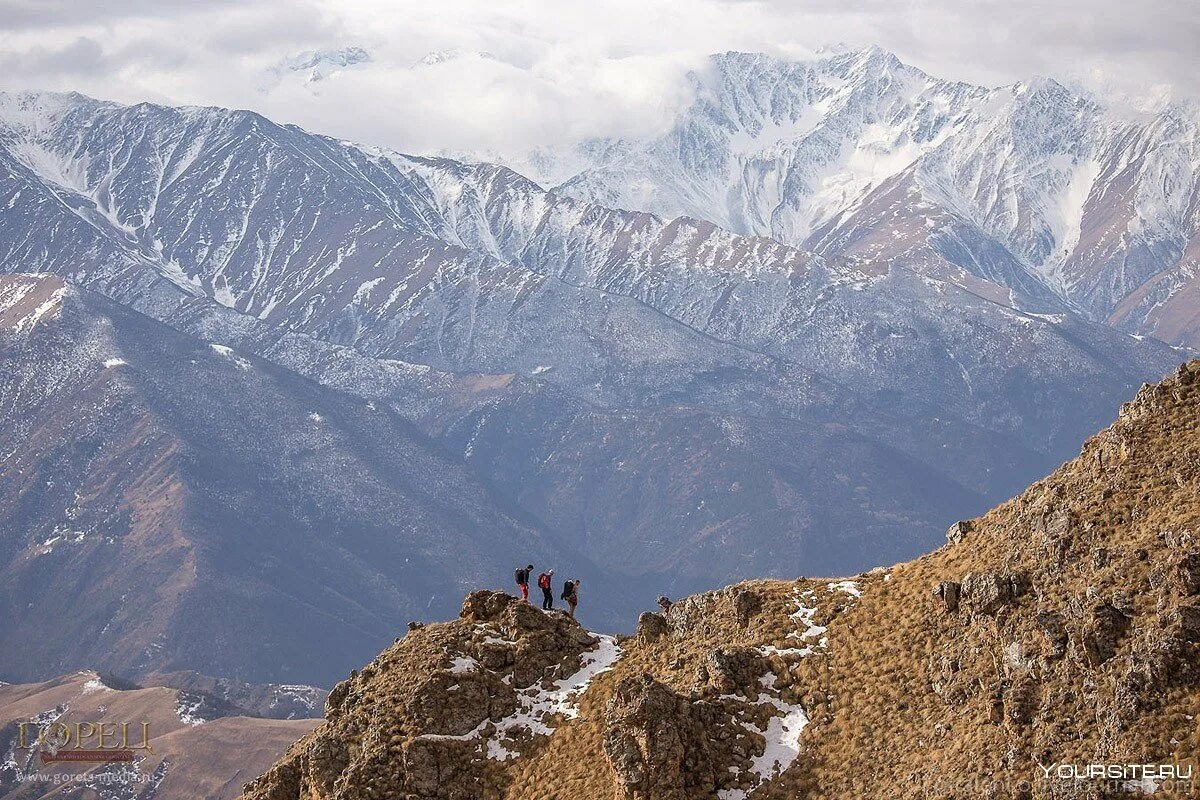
<point>555,70</point>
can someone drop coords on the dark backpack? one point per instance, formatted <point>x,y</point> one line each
<point>521,576</point>
<point>568,590</point>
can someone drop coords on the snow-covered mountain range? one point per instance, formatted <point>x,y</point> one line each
<point>863,159</point>
<point>791,377</point>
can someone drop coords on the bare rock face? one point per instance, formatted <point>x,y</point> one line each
<point>663,745</point>
<point>1055,528</point>
<point>651,626</point>
<point>728,669</point>
<point>1189,623</point>
<point>1054,628</point>
<point>1101,633</point>
<point>746,605</point>
<point>958,531</point>
<point>1187,574</point>
<point>988,592</point>
<point>713,612</point>
<point>656,744</point>
<point>949,593</point>
<point>484,605</point>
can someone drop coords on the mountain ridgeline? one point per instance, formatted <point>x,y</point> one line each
<point>1060,629</point>
<point>387,379</point>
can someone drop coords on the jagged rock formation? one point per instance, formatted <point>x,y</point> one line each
<point>1042,189</point>
<point>1063,629</point>
<point>434,714</point>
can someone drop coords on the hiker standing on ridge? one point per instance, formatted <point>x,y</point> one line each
<point>570,593</point>
<point>544,585</point>
<point>523,581</point>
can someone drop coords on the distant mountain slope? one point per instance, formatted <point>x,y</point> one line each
<point>169,504</point>
<point>197,752</point>
<point>1058,630</point>
<point>677,402</point>
<point>860,157</point>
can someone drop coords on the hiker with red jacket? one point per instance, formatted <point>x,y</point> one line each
<point>523,581</point>
<point>544,585</point>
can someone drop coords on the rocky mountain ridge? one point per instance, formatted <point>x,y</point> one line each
<point>1060,628</point>
<point>1053,193</point>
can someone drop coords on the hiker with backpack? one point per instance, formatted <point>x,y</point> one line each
<point>522,576</point>
<point>544,584</point>
<point>570,593</point>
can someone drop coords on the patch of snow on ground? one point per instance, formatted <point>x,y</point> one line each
<point>363,292</point>
<point>491,639</point>
<point>539,704</point>
<point>188,709</point>
<point>227,352</point>
<point>94,685</point>
<point>782,739</point>
<point>804,616</point>
<point>463,665</point>
<point>307,696</point>
<point>51,303</point>
<point>849,587</point>
<point>114,362</point>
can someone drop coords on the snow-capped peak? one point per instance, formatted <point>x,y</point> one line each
<point>317,65</point>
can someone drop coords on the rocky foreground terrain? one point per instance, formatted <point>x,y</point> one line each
<point>1062,627</point>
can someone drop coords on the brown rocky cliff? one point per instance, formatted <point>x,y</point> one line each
<point>1063,627</point>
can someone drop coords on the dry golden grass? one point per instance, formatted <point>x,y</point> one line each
<point>878,728</point>
<point>884,732</point>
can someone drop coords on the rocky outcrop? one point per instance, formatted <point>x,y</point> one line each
<point>1187,574</point>
<point>651,626</point>
<point>1101,632</point>
<point>949,593</point>
<point>430,717</point>
<point>958,531</point>
<point>988,592</point>
<point>663,745</point>
<point>1189,623</point>
<point>656,743</point>
<point>728,670</point>
<point>1054,628</point>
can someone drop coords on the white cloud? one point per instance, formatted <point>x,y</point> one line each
<point>556,70</point>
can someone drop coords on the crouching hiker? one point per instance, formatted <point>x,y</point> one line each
<point>547,595</point>
<point>570,593</point>
<point>523,581</point>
